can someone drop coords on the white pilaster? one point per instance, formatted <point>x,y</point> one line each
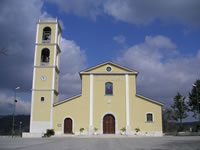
<point>56,34</point>
<point>91,104</point>
<point>127,105</point>
<point>33,82</point>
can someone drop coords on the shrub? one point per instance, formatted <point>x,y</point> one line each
<point>137,129</point>
<point>81,129</point>
<point>123,129</point>
<point>49,133</point>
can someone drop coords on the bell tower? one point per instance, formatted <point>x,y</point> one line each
<point>45,74</point>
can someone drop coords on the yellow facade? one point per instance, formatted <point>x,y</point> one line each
<point>108,101</point>
<point>78,108</point>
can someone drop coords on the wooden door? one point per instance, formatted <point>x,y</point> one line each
<point>109,124</point>
<point>68,126</point>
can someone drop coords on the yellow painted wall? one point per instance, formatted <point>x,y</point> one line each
<point>43,84</point>
<point>42,109</point>
<point>140,108</point>
<point>77,109</point>
<point>117,100</point>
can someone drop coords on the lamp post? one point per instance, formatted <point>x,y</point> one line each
<point>20,128</point>
<point>15,101</point>
<point>194,85</point>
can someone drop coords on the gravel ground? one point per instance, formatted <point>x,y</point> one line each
<point>102,143</point>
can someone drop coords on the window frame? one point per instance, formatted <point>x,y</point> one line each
<point>147,117</point>
<point>107,94</point>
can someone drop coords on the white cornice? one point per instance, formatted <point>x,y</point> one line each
<point>107,73</point>
<point>148,99</point>
<point>68,99</point>
<point>109,63</point>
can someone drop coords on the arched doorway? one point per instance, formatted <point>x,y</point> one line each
<point>68,126</point>
<point>108,124</point>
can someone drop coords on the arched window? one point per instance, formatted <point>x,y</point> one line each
<point>149,117</point>
<point>45,55</point>
<point>46,34</point>
<point>109,88</point>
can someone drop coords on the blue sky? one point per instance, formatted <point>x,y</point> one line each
<point>159,39</point>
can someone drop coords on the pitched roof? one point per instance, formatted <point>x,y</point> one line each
<point>128,70</point>
<point>148,99</point>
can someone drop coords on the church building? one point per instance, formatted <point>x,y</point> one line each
<point>108,103</point>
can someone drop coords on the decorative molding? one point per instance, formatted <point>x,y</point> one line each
<point>51,110</point>
<point>49,44</point>
<point>36,38</point>
<point>107,67</point>
<point>127,103</point>
<point>110,63</point>
<point>56,34</point>
<point>68,99</point>
<point>32,103</point>
<point>148,99</point>
<point>44,66</point>
<point>43,89</point>
<point>91,100</point>
<point>102,73</point>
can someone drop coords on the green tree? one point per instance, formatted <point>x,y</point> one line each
<point>179,108</point>
<point>168,115</point>
<point>194,99</point>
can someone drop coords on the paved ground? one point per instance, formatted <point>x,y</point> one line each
<point>102,143</point>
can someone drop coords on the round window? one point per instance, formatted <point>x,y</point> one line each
<point>108,68</point>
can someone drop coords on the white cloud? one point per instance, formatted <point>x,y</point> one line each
<point>73,60</point>
<point>120,39</point>
<point>7,105</point>
<point>89,8</point>
<point>163,71</point>
<point>135,11</point>
<point>144,11</point>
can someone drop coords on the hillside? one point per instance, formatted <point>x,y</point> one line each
<point>6,124</point>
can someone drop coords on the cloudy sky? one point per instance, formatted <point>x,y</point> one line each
<point>159,39</point>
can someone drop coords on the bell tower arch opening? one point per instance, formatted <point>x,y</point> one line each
<point>45,55</point>
<point>46,37</point>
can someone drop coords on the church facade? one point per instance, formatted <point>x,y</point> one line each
<point>108,103</point>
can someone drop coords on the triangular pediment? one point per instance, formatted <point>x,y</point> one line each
<point>109,67</point>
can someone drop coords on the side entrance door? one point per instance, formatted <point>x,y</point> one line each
<point>68,126</point>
